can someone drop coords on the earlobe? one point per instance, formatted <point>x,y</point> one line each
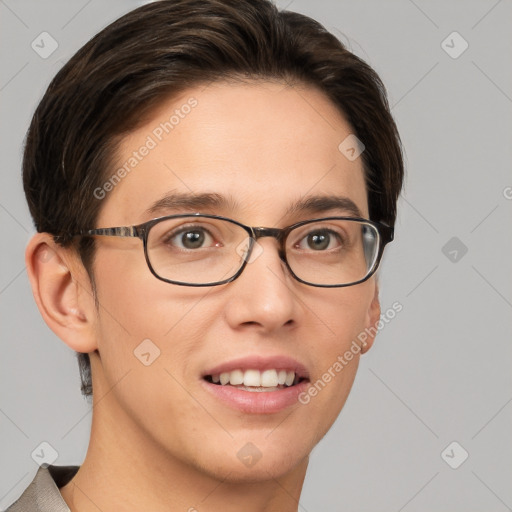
<point>372,320</point>
<point>62,291</point>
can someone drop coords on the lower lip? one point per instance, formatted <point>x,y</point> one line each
<point>257,402</point>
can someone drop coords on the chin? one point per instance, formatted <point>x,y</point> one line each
<point>257,457</point>
<point>263,470</point>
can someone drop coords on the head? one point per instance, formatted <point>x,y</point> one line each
<point>219,99</point>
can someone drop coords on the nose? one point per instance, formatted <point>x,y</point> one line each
<point>264,296</point>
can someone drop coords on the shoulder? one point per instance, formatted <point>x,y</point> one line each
<point>43,495</point>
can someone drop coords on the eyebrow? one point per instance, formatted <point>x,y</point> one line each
<point>322,204</point>
<point>213,201</point>
<point>190,201</point>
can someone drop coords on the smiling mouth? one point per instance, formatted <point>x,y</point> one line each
<point>256,380</point>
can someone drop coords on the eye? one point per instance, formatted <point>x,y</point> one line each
<point>190,238</point>
<point>320,240</point>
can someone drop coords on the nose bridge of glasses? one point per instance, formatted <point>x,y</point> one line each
<point>278,234</point>
<point>263,232</point>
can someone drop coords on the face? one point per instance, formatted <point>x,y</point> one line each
<point>263,147</point>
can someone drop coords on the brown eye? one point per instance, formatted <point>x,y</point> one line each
<point>320,240</point>
<point>190,238</point>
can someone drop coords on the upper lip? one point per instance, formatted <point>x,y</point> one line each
<point>256,362</point>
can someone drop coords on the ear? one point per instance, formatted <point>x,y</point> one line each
<point>372,319</point>
<point>62,291</point>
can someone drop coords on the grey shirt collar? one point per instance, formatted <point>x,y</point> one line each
<point>43,495</point>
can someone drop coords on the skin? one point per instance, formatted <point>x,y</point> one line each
<point>158,440</point>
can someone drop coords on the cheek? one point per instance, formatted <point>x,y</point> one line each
<point>342,318</point>
<point>341,314</point>
<point>140,314</point>
<point>127,314</point>
<point>147,330</point>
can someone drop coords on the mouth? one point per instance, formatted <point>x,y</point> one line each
<point>257,385</point>
<point>258,381</point>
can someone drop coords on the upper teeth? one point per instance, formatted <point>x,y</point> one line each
<point>255,378</point>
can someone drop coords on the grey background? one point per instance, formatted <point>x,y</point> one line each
<point>439,371</point>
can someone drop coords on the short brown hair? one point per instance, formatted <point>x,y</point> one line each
<point>115,80</point>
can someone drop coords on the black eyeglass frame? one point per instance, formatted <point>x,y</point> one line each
<point>385,232</point>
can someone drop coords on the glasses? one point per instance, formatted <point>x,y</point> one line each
<point>209,250</point>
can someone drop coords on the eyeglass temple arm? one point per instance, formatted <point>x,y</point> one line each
<point>126,231</point>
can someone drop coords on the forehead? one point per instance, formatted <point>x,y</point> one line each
<point>264,146</point>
